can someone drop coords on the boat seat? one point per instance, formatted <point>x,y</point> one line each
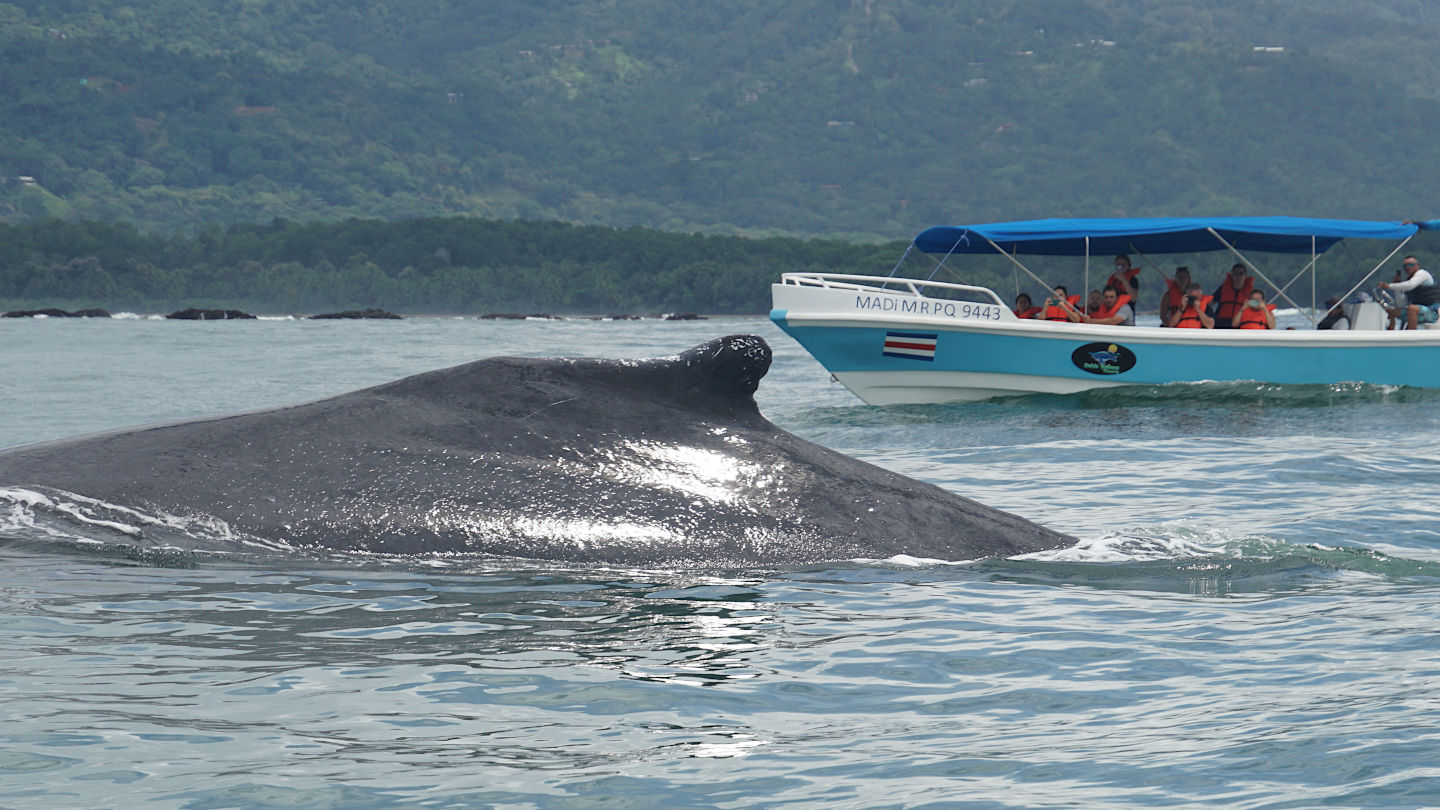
<point>1367,315</point>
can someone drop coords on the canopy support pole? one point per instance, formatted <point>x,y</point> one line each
<point>940,263</point>
<point>1311,268</point>
<point>903,257</point>
<point>1016,262</point>
<point>1279,291</point>
<point>1362,281</point>
<point>1085,291</point>
<point>1146,259</point>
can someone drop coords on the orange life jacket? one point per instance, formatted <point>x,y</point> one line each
<point>1190,318</point>
<point>1053,313</point>
<point>1106,313</point>
<point>1228,298</point>
<point>1125,280</point>
<point>1027,313</point>
<point>1174,296</point>
<point>1254,318</point>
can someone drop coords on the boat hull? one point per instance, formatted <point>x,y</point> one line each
<point>872,352</point>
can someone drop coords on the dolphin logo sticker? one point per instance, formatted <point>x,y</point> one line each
<point>1103,358</point>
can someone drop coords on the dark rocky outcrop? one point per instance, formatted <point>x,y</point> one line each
<point>56,313</point>
<point>356,314</point>
<point>31,313</point>
<point>687,316</point>
<point>209,315</point>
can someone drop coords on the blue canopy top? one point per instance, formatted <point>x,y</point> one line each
<point>1067,237</point>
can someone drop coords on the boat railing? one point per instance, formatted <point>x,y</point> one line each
<point>888,284</point>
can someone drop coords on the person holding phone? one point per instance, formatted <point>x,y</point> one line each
<point>1059,308</point>
<point>1254,313</point>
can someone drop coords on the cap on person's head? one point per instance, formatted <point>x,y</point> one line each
<point>1332,302</point>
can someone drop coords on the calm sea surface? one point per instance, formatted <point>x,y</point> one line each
<point>1252,619</point>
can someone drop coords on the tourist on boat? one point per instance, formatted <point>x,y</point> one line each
<point>1174,295</point>
<point>1093,303</point>
<point>1125,277</point>
<point>1059,307</point>
<point>1023,307</point>
<point>1230,297</point>
<point>1191,312</point>
<point>1255,314</point>
<point>1115,309</point>
<point>1335,317</point>
<point>1420,290</point>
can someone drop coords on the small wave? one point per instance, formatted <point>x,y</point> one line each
<point>1250,396</point>
<point>1205,564</point>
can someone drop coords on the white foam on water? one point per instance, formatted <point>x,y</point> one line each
<point>907,561</point>
<point>26,509</point>
<point>1121,547</point>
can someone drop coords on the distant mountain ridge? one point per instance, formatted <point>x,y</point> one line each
<point>862,119</point>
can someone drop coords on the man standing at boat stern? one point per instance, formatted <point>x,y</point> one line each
<point>1421,290</point>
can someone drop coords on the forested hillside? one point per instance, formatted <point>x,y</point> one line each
<point>425,265</point>
<point>864,119</point>
<point>464,265</point>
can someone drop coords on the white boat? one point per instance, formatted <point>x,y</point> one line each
<point>894,340</point>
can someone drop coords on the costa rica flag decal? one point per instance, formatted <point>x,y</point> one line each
<point>911,345</point>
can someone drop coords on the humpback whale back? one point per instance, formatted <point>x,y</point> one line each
<point>665,461</point>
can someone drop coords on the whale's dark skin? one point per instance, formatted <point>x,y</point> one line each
<point>650,462</point>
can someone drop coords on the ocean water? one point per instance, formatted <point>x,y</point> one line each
<point>1251,619</point>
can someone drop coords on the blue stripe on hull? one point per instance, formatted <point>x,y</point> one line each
<point>847,349</point>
